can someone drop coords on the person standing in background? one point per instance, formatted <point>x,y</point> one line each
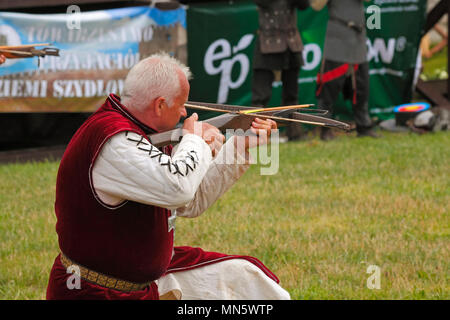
<point>345,67</point>
<point>278,48</point>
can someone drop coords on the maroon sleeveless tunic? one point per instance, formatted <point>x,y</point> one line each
<point>130,241</point>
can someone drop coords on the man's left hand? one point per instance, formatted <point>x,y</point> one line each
<point>262,129</point>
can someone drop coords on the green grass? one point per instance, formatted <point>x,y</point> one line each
<point>332,210</point>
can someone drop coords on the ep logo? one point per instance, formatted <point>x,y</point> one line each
<point>222,58</point>
<point>229,57</point>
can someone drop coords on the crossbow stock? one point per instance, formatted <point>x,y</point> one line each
<point>240,117</point>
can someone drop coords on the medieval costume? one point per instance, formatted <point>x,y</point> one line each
<point>117,198</point>
<point>278,48</point>
<point>345,67</point>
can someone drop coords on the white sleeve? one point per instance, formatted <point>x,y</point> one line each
<point>128,167</point>
<point>225,170</point>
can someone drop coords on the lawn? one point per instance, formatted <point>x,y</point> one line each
<point>332,210</point>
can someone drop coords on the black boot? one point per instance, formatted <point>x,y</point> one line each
<point>294,131</point>
<point>367,132</point>
<point>326,134</point>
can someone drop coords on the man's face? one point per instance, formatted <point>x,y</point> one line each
<point>170,116</point>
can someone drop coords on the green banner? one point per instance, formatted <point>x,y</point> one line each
<point>221,39</point>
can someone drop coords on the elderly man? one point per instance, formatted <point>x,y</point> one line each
<point>117,197</point>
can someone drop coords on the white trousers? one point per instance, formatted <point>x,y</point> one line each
<point>234,279</point>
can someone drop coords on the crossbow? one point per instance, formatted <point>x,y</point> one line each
<point>28,51</point>
<point>240,117</point>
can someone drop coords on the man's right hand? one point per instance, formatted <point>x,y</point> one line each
<point>210,134</point>
<point>2,58</point>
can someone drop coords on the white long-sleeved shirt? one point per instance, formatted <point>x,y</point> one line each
<point>129,168</point>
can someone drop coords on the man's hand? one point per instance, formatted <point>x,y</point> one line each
<point>190,124</point>
<point>2,59</point>
<point>262,129</point>
<point>212,136</point>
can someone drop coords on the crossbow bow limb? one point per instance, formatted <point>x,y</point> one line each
<point>240,117</point>
<point>28,51</point>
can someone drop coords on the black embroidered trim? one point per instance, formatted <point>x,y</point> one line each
<point>173,166</point>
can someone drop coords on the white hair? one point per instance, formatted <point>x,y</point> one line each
<point>153,77</point>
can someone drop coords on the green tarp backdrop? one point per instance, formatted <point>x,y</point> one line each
<point>221,39</point>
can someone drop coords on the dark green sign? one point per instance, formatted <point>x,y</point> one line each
<point>221,38</point>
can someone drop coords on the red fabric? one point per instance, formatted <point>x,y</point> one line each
<point>334,74</point>
<point>130,241</point>
<point>323,78</point>
<point>187,258</point>
<point>58,290</point>
<point>355,67</point>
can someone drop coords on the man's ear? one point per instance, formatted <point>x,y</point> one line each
<point>158,105</point>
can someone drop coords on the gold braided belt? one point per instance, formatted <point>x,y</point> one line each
<point>102,279</point>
